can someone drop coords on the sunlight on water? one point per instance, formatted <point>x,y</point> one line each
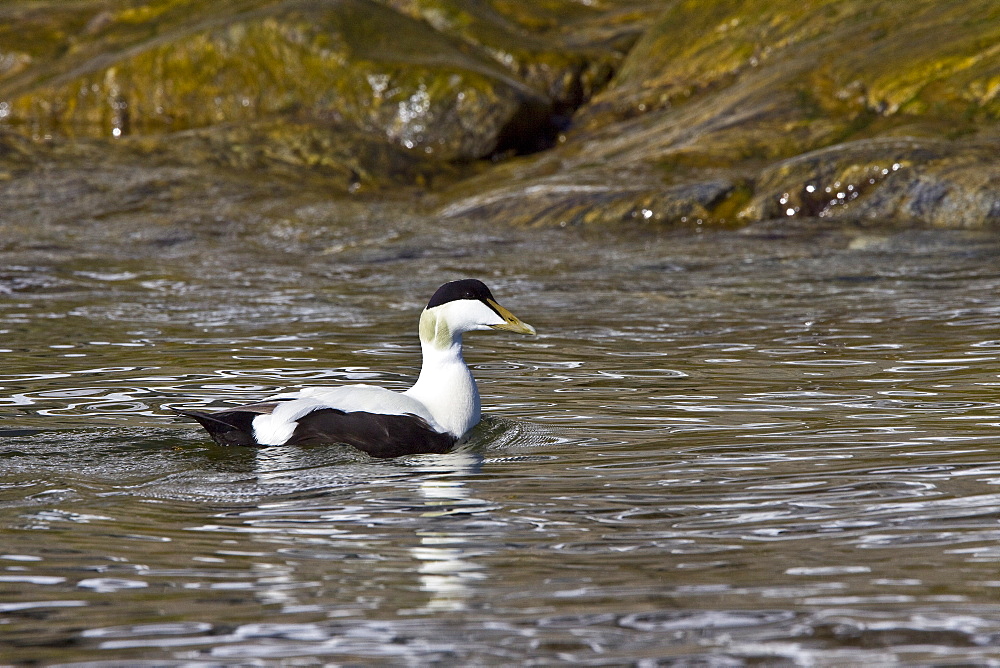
<point>717,450</point>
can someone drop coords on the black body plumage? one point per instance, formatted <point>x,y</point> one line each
<point>373,433</point>
<point>378,435</point>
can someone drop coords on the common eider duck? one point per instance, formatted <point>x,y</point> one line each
<point>430,417</point>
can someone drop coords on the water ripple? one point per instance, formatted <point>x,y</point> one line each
<point>766,461</point>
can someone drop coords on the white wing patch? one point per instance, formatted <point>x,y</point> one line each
<point>278,427</point>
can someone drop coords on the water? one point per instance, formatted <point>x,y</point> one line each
<point>721,449</point>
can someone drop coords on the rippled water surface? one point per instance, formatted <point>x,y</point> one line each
<point>723,448</point>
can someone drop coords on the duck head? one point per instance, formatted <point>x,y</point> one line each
<point>464,306</point>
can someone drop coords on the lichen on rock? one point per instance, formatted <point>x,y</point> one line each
<point>621,112</point>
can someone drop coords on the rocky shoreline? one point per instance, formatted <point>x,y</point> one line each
<point>610,114</point>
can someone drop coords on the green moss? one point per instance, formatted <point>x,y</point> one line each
<point>543,46</point>
<point>304,64</point>
<point>382,93</point>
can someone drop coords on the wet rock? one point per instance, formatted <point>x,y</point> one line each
<point>352,63</point>
<point>15,151</point>
<point>558,202</point>
<point>851,62</point>
<point>566,51</point>
<point>938,182</point>
<point>738,91</point>
<point>344,161</point>
<point>618,113</point>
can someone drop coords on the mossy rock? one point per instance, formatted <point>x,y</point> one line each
<point>937,182</point>
<point>735,91</point>
<point>720,108</point>
<point>353,63</point>
<point>567,51</point>
<point>726,82</point>
<point>345,161</point>
<point>560,202</point>
<point>843,57</point>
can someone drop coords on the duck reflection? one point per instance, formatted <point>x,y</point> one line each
<point>421,505</point>
<point>445,557</point>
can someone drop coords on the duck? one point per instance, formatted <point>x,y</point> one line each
<point>430,417</point>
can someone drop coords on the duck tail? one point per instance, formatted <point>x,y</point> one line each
<point>226,427</point>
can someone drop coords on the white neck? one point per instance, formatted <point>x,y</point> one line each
<point>445,385</point>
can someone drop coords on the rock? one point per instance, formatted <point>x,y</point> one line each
<point>779,96</point>
<point>852,62</point>
<point>351,63</point>
<point>556,202</point>
<point>624,112</point>
<point>346,161</point>
<point>938,182</point>
<point>566,51</point>
<point>446,81</point>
